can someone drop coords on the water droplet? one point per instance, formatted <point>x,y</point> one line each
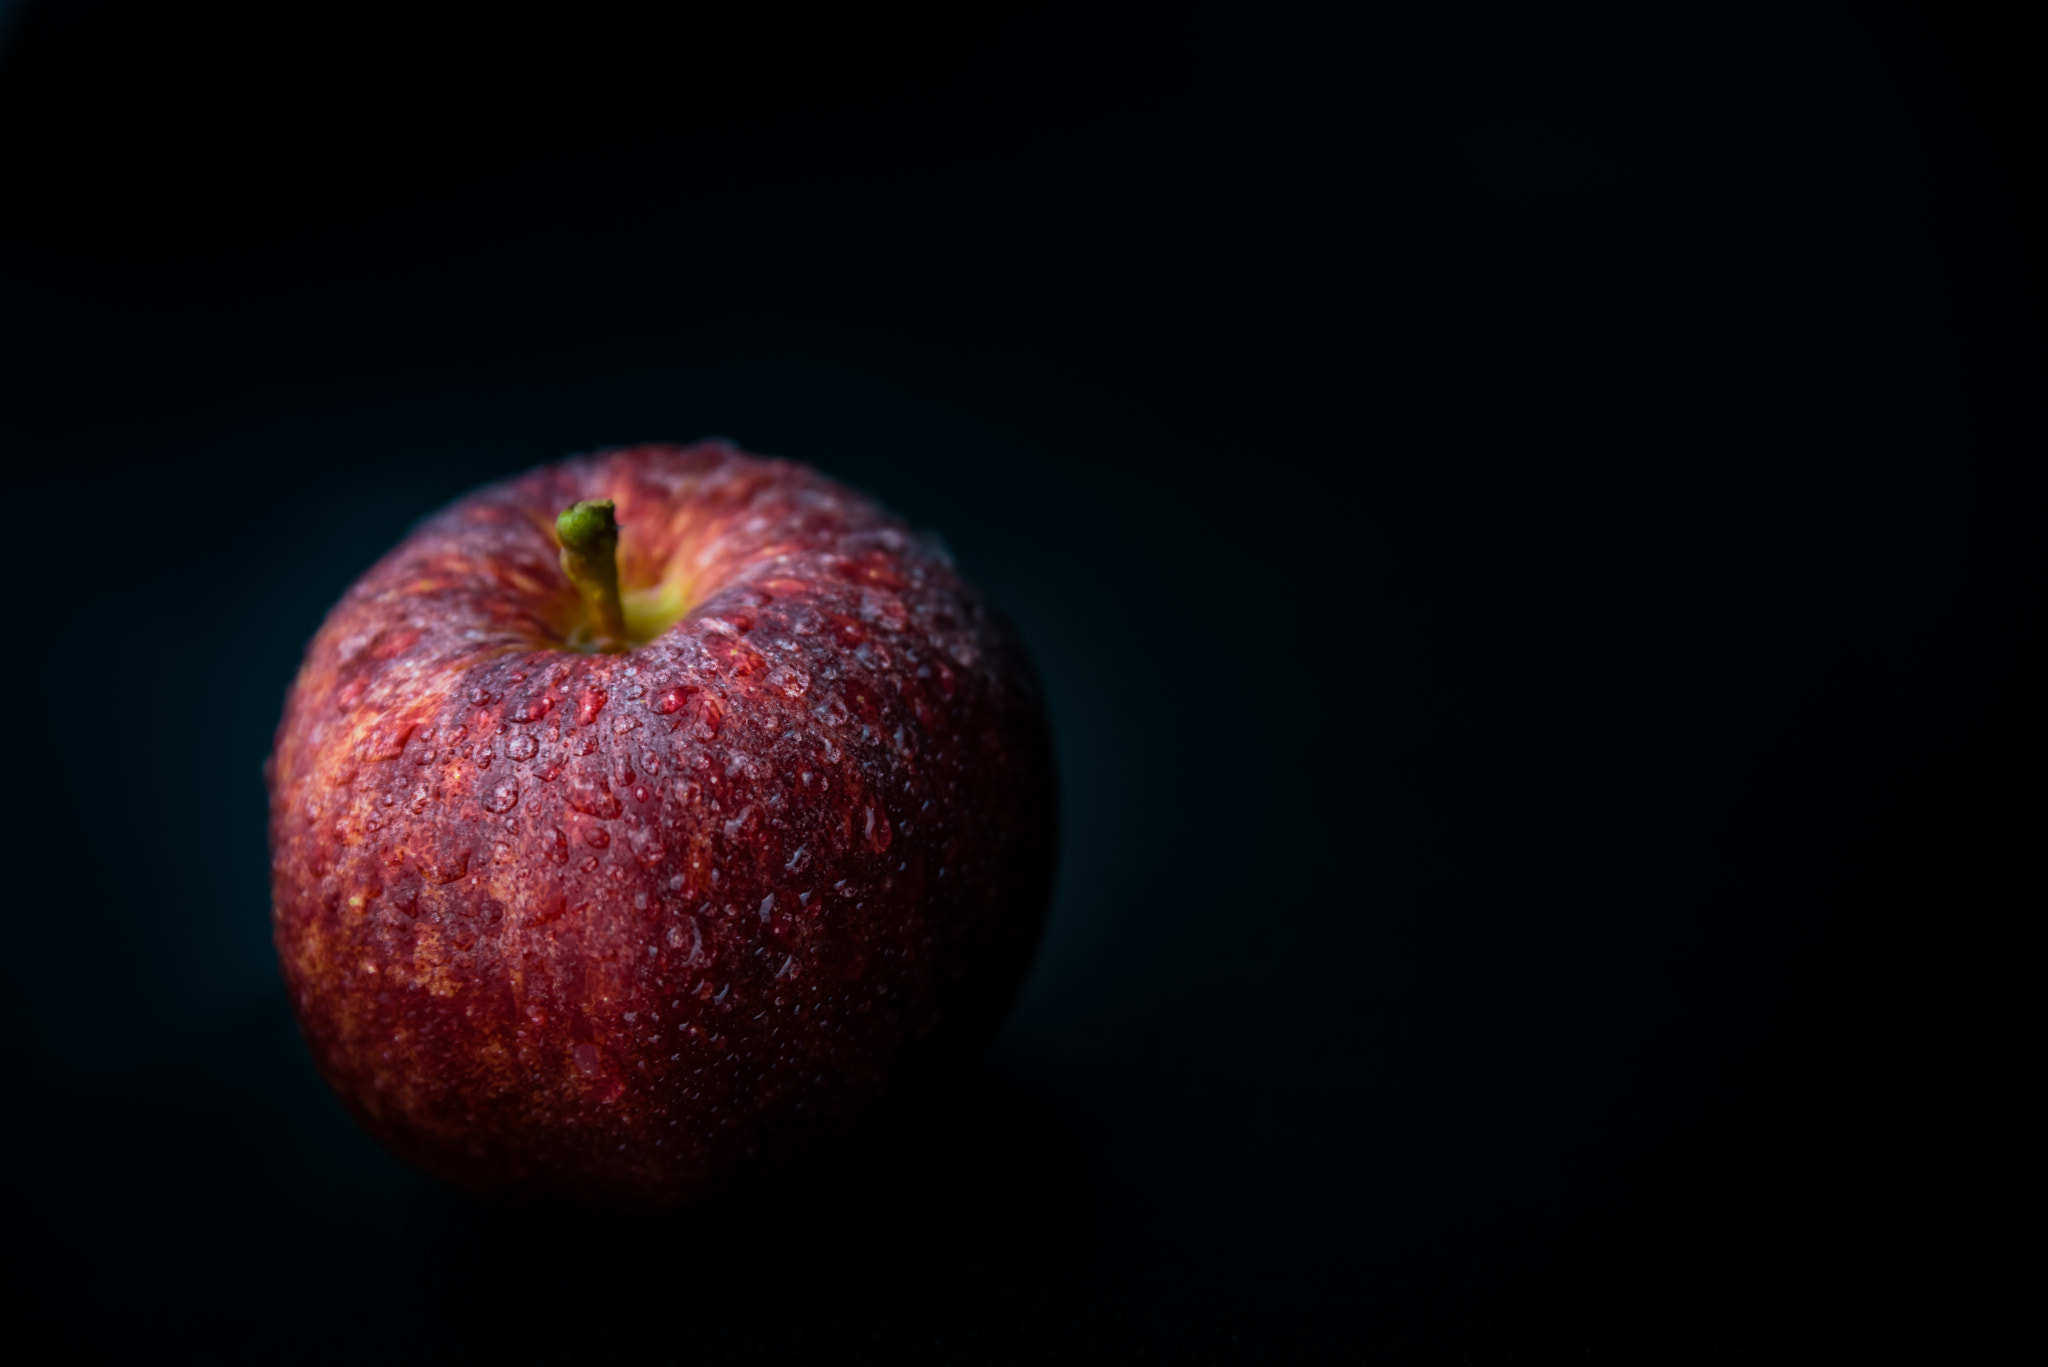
<point>767,907</point>
<point>388,742</point>
<point>883,608</point>
<point>445,867</point>
<point>687,934</point>
<point>799,861</point>
<point>503,798</point>
<point>589,1061</point>
<point>647,847</point>
<point>590,794</point>
<point>596,837</point>
<point>790,681</point>
<point>521,746</point>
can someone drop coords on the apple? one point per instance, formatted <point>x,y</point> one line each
<point>651,821</point>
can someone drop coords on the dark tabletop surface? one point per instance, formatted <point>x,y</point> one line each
<point>1528,520</point>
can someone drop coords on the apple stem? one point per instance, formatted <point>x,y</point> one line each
<point>590,557</point>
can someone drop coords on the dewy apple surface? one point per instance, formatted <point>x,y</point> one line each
<point>581,905</point>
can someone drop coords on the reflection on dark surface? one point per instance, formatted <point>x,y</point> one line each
<point>1525,523</point>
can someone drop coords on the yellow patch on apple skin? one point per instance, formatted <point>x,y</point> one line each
<point>647,612</point>
<point>651,611</point>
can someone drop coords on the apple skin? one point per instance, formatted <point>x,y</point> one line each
<point>631,930</point>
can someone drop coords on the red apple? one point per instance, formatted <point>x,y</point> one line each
<point>621,900</point>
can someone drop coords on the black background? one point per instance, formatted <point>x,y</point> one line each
<point>1527,518</point>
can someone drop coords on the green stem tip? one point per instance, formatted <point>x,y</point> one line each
<point>590,557</point>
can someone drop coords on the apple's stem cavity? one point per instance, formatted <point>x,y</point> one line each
<point>590,557</point>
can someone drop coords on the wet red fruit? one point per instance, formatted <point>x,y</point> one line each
<point>628,928</point>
